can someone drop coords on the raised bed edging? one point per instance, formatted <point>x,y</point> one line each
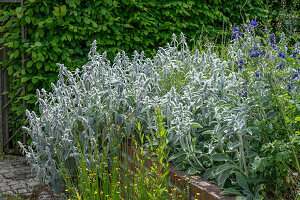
<point>198,185</point>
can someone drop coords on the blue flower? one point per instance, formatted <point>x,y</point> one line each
<point>267,56</point>
<point>295,75</point>
<point>245,27</point>
<point>289,86</point>
<point>236,29</point>
<point>253,23</point>
<point>240,34</point>
<point>298,69</point>
<point>272,38</point>
<point>295,54</point>
<point>241,61</point>
<point>299,57</point>
<point>255,55</point>
<point>263,52</point>
<point>282,55</point>
<point>245,94</point>
<point>256,74</point>
<point>233,36</point>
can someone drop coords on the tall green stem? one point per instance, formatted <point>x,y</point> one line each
<point>290,134</point>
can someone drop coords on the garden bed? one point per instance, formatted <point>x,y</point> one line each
<point>198,187</point>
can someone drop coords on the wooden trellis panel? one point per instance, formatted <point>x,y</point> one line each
<point>5,136</point>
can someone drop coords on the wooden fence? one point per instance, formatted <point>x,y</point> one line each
<point>6,135</point>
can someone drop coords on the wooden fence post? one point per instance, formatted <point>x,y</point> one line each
<point>4,88</point>
<point>1,124</point>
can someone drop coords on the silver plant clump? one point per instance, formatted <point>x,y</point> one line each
<point>205,118</point>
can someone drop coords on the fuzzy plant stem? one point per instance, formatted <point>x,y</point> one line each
<point>242,154</point>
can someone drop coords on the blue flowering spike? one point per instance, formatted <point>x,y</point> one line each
<point>253,24</point>
<point>233,36</point>
<point>281,65</point>
<point>295,54</point>
<point>272,38</point>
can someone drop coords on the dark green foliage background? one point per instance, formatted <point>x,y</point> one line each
<point>62,31</point>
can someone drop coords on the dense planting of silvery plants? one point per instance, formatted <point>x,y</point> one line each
<point>209,118</point>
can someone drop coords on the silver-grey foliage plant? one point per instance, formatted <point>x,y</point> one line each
<point>95,100</point>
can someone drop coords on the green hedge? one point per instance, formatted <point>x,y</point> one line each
<point>62,31</point>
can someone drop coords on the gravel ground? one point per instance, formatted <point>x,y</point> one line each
<point>16,180</point>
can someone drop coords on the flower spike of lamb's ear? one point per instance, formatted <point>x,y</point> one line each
<point>38,94</point>
<point>93,50</point>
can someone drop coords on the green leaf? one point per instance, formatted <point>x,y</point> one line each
<point>86,20</point>
<point>231,191</point>
<point>16,53</point>
<point>241,180</point>
<point>98,3</point>
<point>226,167</point>
<point>56,12</point>
<point>69,37</point>
<point>177,155</point>
<point>297,119</point>
<point>223,177</point>
<point>18,12</point>
<point>251,154</point>
<point>136,38</point>
<point>27,19</point>
<point>63,10</point>
<point>220,157</point>
<point>39,65</point>
<point>29,64</point>
<point>27,97</point>
<point>24,79</point>
<point>191,171</point>
<point>38,44</point>
<point>103,11</point>
<point>195,125</point>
